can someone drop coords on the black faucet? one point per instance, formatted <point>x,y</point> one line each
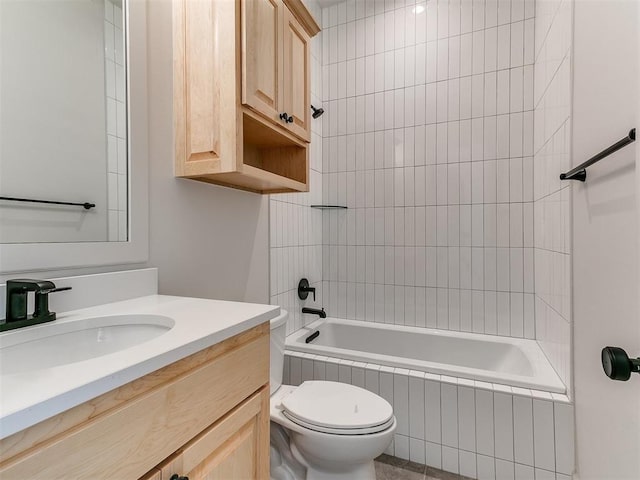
<point>17,291</point>
<point>315,311</point>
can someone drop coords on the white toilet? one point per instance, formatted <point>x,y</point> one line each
<point>332,430</point>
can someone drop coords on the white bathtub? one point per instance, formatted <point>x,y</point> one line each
<point>502,360</point>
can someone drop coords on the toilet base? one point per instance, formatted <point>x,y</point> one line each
<point>362,471</point>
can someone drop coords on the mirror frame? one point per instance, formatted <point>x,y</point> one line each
<point>23,257</point>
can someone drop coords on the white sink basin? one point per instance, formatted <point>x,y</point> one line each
<point>54,344</point>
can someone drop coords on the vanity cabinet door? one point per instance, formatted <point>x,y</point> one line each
<point>262,56</point>
<point>234,448</point>
<point>297,97</point>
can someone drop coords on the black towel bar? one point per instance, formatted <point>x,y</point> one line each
<point>85,205</point>
<point>580,172</point>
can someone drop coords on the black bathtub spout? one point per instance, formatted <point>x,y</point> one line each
<point>315,311</point>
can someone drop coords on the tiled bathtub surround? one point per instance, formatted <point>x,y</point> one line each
<point>552,196</point>
<point>428,139</point>
<point>476,429</point>
<point>296,229</point>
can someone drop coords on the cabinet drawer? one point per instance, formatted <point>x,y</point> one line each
<point>129,440</point>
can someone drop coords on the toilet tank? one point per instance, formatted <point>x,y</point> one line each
<point>278,334</point>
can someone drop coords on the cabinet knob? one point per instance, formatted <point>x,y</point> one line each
<point>175,476</point>
<point>286,117</point>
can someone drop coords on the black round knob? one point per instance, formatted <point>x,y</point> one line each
<point>285,117</point>
<point>290,120</point>
<point>175,476</point>
<point>616,363</point>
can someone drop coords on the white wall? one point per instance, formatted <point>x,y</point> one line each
<point>428,138</point>
<point>207,241</point>
<point>52,120</point>
<point>296,229</point>
<point>552,210</point>
<point>605,237</point>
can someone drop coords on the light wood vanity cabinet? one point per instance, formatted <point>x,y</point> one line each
<point>239,67</point>
<point>233,448</point>
<point>275,65</point>
<point>205,417</point>
<point>262,59</point>
<point>297,91</point>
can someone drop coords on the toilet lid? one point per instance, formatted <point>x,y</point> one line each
<point>337,406</point>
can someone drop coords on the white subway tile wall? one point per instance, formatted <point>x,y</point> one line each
<point>428,139</point>
<point>477,429</point>
<point>456,218</point>
<point>295,228</point>
<point>552,142</point>
<point>116,122</point>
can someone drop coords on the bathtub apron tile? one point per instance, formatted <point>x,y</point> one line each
<point>497,387</point>
<point>344,371</point>
<point>468,464</point>
<point>295,370</point>
<point>434,455</point>
<point>541,395</point>
<point>319,370</point>
<point>484,423</point>
<point>543,435</point>
<point>450,461</point>
<point>432,396</point>
<point>524,472</point>
<point>332,372</point>
<point>372,378</point>
<point>416,407</point>
<point>401,446</point>
<point>564,428</point>
<point>286,374</point>
<point>446,379</point>
<point>486,468</point>
<point>307,369</point>
<point>466,419</point>
<point>449,415</point>
<point>357,374</point>
<point>505,470</point>
<point>391,449</point>
<point>401,400</point>
<point>503,425</point>
<point>541,474</point>
<point>386,386</point>
<point>484,386</point>
<point>522,392</point>
<point>466,382</point>
<point>523,430</point>
<point>560,398</point>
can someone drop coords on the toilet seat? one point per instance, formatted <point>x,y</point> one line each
<point>337,408</point>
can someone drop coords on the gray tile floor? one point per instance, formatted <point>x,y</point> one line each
<point>392,468</point>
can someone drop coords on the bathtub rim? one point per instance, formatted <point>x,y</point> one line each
<point>544,378</point>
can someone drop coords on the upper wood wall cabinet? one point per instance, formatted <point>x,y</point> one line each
<point>242,93</point>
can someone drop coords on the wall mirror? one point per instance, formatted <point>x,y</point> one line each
<point>72,133</point>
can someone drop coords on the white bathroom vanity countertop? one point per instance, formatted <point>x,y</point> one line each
<point>29,397</point>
